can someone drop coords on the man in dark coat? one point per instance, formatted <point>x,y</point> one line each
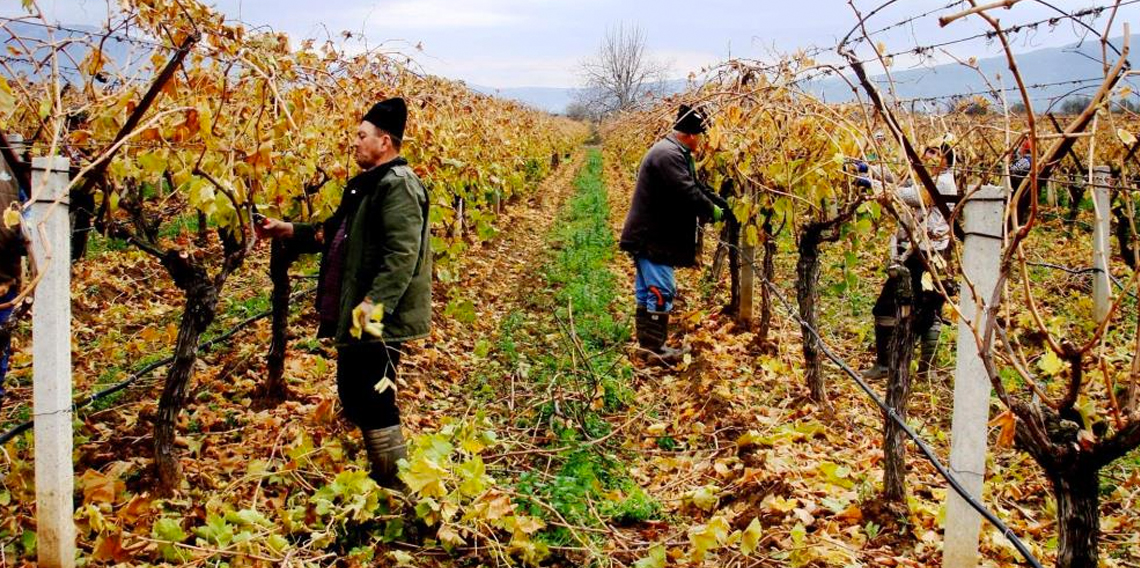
<point>375,268</point>
<point>662,228</point>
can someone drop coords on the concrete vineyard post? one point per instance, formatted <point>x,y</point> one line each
<point>1102,199</point>
<point>51,355</point>
<point>981,256</point>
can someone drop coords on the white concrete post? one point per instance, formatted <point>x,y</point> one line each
<point>16,142</point>
<point>51,358</point>
<point>1102,204</point>
<point>981,256</point>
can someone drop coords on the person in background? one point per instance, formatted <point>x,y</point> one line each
<point>932,243</point>
<point>374,290</point>
<point>1019,169</point>
<point>662,228</point>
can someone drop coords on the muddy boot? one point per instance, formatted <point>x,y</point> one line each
<point>929,351</point>
<point>883,335</point>
<point>385,447</point>
<point>652,331</point>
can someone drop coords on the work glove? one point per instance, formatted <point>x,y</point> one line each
<point>718,214</point>
<point>863,182</point>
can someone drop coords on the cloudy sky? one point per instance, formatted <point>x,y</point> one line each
<point>516,43</point>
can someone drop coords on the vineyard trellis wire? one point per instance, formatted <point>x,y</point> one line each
<point>243,122</point>
<point>145,370</point>
<point>784,151</point>
<point>811,201</point>
<point>927,452</point>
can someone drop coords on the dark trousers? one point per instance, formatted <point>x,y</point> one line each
<point>359,368</point>
<point>927,305</point>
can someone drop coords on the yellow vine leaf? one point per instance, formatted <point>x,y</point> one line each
<point>656,558</point>
<point>1127,137</point>
<point>1051,364</point>
<point>751,538</point>
<point>425,477</point>
<point>11,217</point>
<point>704,538</point>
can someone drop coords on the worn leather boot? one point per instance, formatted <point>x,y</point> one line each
<point>652,331</point>
<point>882,352</point>
<point>385,447</point>
<point>929,350</point>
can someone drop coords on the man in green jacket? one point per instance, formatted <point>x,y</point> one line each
<point>375,268</point>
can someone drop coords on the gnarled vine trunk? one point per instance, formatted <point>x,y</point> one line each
<point>769,275</point>
<point>201,293</point>
<point>1077,491</point>
<point>281,258</point>
<point>1074,475</point>
<point>807,295</point>
<point>811,239</point>
<point>898,392</point>
<point>200,309</point>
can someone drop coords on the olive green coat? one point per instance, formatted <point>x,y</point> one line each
<point>387,252</point>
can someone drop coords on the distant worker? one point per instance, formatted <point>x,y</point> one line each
<point>932,232</point>
<point>375,267</point>
<point>1019,169</point>
<point>662,228</point>
<point>875,166</point>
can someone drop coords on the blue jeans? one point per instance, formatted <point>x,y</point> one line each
<point>654,286</point>
<point>6,346</point>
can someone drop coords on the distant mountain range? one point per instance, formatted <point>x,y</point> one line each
<point>1049,70</point>
<point>550,99</point>
<point>556,100</point>
<point>1051,74</point>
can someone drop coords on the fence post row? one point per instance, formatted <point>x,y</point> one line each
<point>983,221</point>
<point>51,361</point>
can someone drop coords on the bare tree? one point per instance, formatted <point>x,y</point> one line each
<point>579,110</point>
<point>621,74</point>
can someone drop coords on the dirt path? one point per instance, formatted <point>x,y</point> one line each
<point>496,277</point>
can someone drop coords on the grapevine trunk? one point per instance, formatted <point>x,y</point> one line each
<point>281,258</point>
<point>1077,490</point>
<point>807,294</point>
<point>200,309</point>
<point>898,393</point>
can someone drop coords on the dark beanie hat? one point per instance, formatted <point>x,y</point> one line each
<point>690,120</point>
<point>390,116</point>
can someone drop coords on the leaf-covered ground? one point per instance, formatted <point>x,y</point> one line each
<point>539,433</point>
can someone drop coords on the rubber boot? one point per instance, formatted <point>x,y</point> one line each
<point>385,448</point>
<point>652,331</point>
<point>883,335</point>
<point>929,350</point>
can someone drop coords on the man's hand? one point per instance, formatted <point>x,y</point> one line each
<point>267,228</point>
<point>367,317</point>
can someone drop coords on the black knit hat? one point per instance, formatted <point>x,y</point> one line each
<point>690,120</point>
<point>390,116</point>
